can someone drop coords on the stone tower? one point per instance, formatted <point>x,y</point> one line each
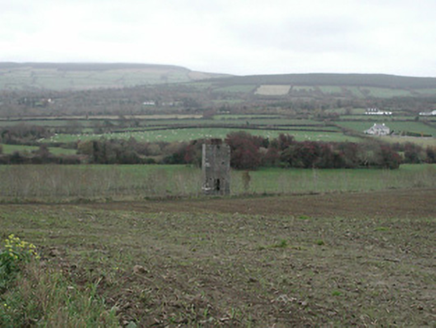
<point>216,168</point>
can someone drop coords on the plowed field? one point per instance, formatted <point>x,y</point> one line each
<point>401,203</point>
<point>326,260</point>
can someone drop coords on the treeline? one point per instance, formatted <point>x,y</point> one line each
<point>251,152</point>
<point>248,152</point>
<point>23,134</point>
<point>39,156</point>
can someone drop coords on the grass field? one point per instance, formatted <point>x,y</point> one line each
<point>331,89</point>
<point>170,128</point>
<point>427,91</point>
<point>423,142</point>
<point>9,149</point>
<point>105,182</point>
<point>246,116</point>
<point>385,93</point>
<point>356,92</point>
<point>273,90</point>
<point>303,88</point>
<point>353,260</point>
<point>171,135</point>
<point>236,88</point>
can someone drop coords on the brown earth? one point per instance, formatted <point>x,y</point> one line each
<point>322,260</point>
<point>392,203</point>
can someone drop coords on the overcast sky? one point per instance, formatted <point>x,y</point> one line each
<point>235,36</point>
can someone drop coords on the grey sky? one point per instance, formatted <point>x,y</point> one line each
<point>236,37</point>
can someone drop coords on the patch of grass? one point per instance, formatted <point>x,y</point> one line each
<point>9,149</point>
<point>46,298</point>
<point>282,244</point>
<point>381,229</point>
<point>385,92</point>
<point>331,89</point>
<point>303,88</point>
<point>243,88</point>
<point>105,182</point>
<point>32,295</point>
<point>186,134</point>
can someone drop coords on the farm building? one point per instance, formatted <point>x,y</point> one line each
<point>378,130</point>
<point>216,168</point>
<point>376,111</point>
<point>432,113</point>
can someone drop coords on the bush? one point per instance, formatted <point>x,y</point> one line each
<point>32,296</point>
<point>16,253</point>
<point>244,151</point>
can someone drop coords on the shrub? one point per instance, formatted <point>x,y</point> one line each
<point>36,296</point>
<point>244,153</point>
<point>16,252</point>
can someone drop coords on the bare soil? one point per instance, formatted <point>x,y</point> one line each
<point>326,260</point>
<point>415,202</point>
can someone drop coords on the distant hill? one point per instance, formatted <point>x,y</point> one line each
<point>324,79</point>
<point>80,76</point>
<point>176,83</point>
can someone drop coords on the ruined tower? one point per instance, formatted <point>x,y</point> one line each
<point>216,168</point>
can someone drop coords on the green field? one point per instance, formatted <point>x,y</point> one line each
<point>331,89</point>
<point>427,91</point>
<point>51,123</point>
<point>302,88</point>
<point>166,128</point>
<point>248,116</point>
<point>171,135</point>
<point>9,149</point>
<point>237,89</point>
<point>355,91</point>
<point>385,93</point>
<point>102,182</point>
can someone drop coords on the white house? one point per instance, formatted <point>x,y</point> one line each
<point>376,111</point>
<point>378,130</point>
<point>433,113</point>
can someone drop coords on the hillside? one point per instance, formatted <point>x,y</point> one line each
<point>322,87</point>
<point>47,89</point>
<point>319,79</point>
<point>79,76</point>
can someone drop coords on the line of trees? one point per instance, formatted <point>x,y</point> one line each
<point>40,156</point>
<point>248,152</point>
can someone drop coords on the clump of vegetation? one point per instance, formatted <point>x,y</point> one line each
<point>282,244</point>
<point>16,253</point>
<point>336,293</point>
<point>33,296</point>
